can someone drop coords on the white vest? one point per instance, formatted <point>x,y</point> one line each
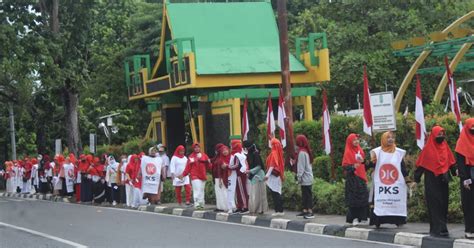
<point>390,190</point>
<point>69,177</point>
<point>151,173</point>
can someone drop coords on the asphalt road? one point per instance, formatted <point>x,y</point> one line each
<point>35,223</point>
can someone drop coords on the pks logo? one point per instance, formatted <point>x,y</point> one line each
<point>388,174</point>
<point>70,173</point>
<point>150,169</point>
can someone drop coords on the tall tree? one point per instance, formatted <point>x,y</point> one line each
<point>68,28</point>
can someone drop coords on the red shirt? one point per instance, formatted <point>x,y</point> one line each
<point>196,167</point>
<point>133,171</point>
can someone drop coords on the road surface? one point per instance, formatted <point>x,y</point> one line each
<point>36,223</point>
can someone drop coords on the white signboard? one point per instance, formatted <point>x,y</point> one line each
<point>383,112</point>
<point>92,142</point>
<point>58,146</point>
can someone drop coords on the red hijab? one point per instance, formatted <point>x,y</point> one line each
<point>178,149</point>
<point>303,146</point>
<point>221,156</point>
<point>435,157</point>
<point>275,158</point>
<point>465,144</point>
<point>236,146</point>
<point>350,156</point>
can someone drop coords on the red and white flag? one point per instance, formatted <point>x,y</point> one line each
<point>367,118</point>
<point>453,95</point>
<point>326,125</point>
<point>270,120</point>
<point>420,131</point>
<point>245,121</point>
<point>281,119</point>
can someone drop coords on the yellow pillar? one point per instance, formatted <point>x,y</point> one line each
<point>202,142</point>
<point>308,108</point>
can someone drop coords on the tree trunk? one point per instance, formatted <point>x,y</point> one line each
<point>71,104</point>
<point>54,21</point>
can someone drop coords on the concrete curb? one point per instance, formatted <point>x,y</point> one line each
<point>402,238</point>
<point>463,243</point>
<point>357,233</point>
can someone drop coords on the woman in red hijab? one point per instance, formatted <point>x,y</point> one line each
<point>304,160</point>
<point>220,173</point>
<point>465,161</point>
<point>196,167</point>
<point>356,192</point>
<point>435,161</point>
<point>276,174</point>
<point>177,165</point>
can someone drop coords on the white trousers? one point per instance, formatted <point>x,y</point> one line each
<point>129,194</point>
<point>198,192</point>
<point>221,195</point>
<point>231,190</point>
<point>138,198</point>
<point>26,186</point>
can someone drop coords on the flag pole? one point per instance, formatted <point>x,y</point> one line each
<point>285,76</point>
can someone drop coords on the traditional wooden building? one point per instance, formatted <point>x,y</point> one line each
<point>213,55</point>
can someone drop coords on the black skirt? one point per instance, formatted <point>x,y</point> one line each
<point>356,192</point>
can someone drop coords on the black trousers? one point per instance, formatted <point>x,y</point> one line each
<point>467,200</point>
<point>307,196</point>
<point>114,192</point>
<point>86,189</point>
<point>437,201</point>
<point>277,201</point>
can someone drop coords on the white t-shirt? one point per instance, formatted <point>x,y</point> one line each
<point>177,166</point>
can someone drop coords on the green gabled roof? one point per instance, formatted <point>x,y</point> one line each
<point>230,38</point>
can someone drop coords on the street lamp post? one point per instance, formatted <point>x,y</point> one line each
<point>109,124</point>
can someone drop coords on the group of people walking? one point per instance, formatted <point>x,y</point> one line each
<point>385,200</point>
<point>241,178</point>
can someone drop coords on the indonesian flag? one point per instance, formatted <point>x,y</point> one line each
<point>245,121</point>
<point>367,118</point>
<point>326,124</point>
<point>281,119</point>
<point>453,96</point>
<point>270,120</point>
<point>419,116</point>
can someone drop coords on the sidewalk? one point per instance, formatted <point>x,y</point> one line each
<point>413,234</point>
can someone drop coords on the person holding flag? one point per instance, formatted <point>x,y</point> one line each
<point>465,161</point>
<point>356,192</point>
<point>435,161</point>
<point>390,189</point>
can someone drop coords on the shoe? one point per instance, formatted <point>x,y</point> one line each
<point>355,222</point>
<point>114,203</point>
<point>309,216</point>
<point>364,223</point>
<point>244,211</point>
<point>469,235</point>
<point>238,210</point>
<point>302,214</point>
<point>188,204</point>
<point>230,212</point>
